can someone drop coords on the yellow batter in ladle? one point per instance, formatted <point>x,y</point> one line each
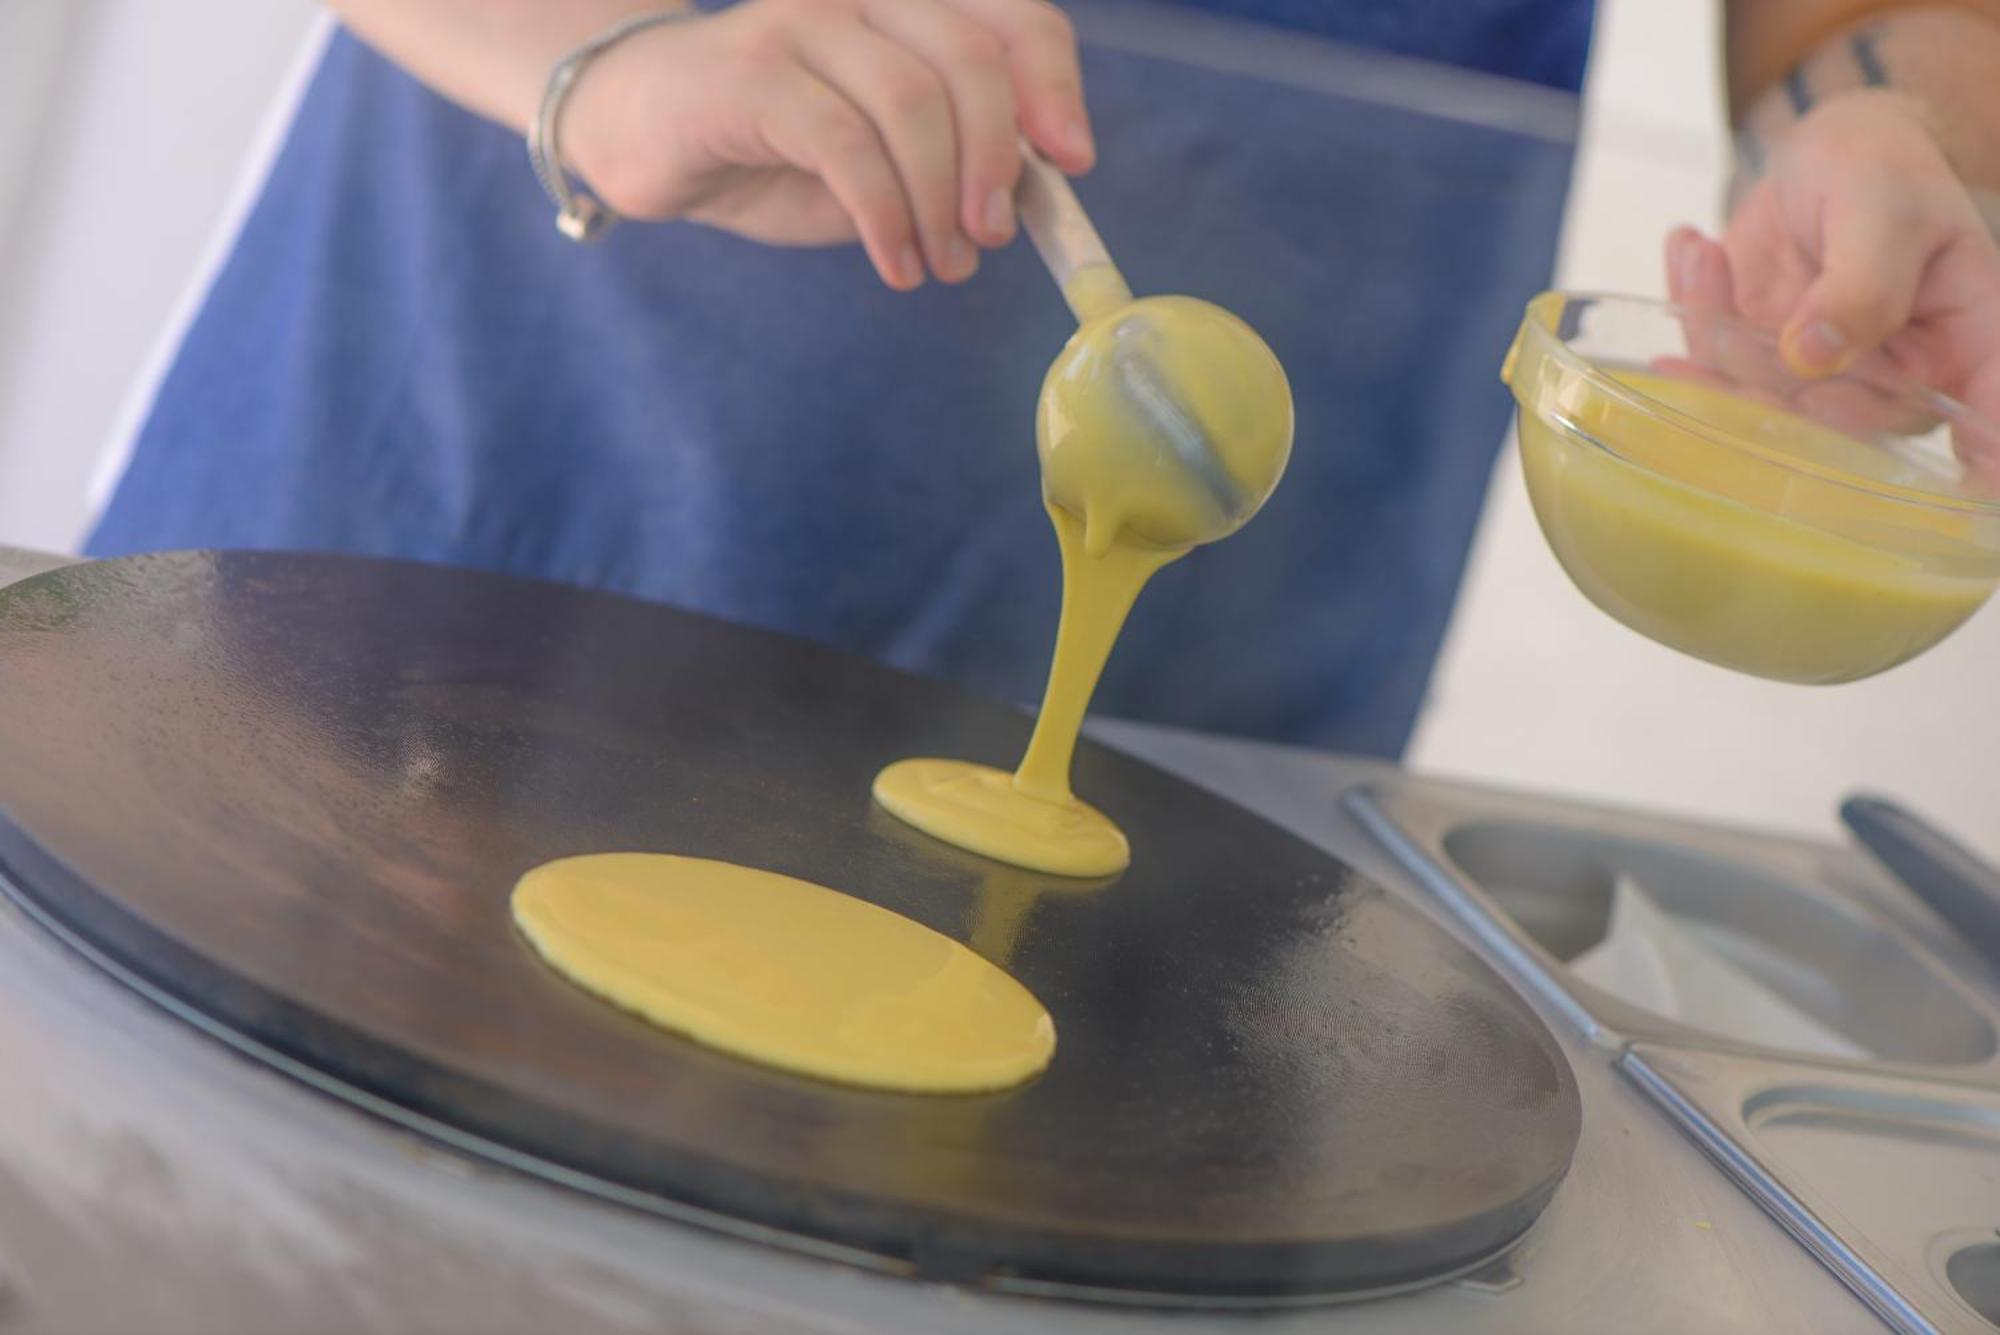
<point>1165,423</point>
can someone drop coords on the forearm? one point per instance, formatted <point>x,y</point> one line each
<point>1943,59</point>
<point>491,56</point>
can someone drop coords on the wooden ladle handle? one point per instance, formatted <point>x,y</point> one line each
<point>1065,239</point>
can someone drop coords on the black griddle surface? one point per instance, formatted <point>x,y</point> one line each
<point>294,792</point>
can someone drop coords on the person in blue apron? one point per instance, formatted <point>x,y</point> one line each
<point>402,357</point>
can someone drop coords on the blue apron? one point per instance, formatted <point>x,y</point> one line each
<point>402,357</point>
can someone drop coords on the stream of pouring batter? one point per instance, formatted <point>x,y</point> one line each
<point>1030,817</point>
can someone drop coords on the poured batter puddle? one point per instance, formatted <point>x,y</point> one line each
<point>784,972</point>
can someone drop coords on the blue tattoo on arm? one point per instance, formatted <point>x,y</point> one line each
<point>1868,56</point>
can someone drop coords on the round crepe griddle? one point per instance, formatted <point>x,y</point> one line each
<point>292,794</point>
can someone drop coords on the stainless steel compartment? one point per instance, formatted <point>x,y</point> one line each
<point>1815,923</point>
<point>1903,1178</point>
<point>1885,1162</point>
<point>1824,955</point>
<point>1972,1269</point>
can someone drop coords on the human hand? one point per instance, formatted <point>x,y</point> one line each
<point>810,122</point>
<point>1859,244</point>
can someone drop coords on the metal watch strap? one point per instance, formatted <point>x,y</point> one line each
<point>580,216</point>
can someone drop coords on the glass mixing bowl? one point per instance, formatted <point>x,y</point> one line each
<point>1802,530</point>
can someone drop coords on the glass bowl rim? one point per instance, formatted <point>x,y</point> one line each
<point>1551,344</point>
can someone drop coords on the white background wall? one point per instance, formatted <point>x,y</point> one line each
<point>122,123</point>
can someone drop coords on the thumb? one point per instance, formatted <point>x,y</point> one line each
<point>1969,269</point>
<point>1977,441</point>
<point>1871,261</point>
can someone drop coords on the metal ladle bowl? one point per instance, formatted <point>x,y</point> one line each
<point>1167,419</point>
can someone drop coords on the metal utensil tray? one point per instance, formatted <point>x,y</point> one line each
<point>1885,1165</point>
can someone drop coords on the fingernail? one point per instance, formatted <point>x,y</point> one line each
<point>1684,257</point>
<point>961,256</point>
<point>1821,347</point>
<point>910,265</point>
<point>1076,137</point>
<point>999,215</point>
